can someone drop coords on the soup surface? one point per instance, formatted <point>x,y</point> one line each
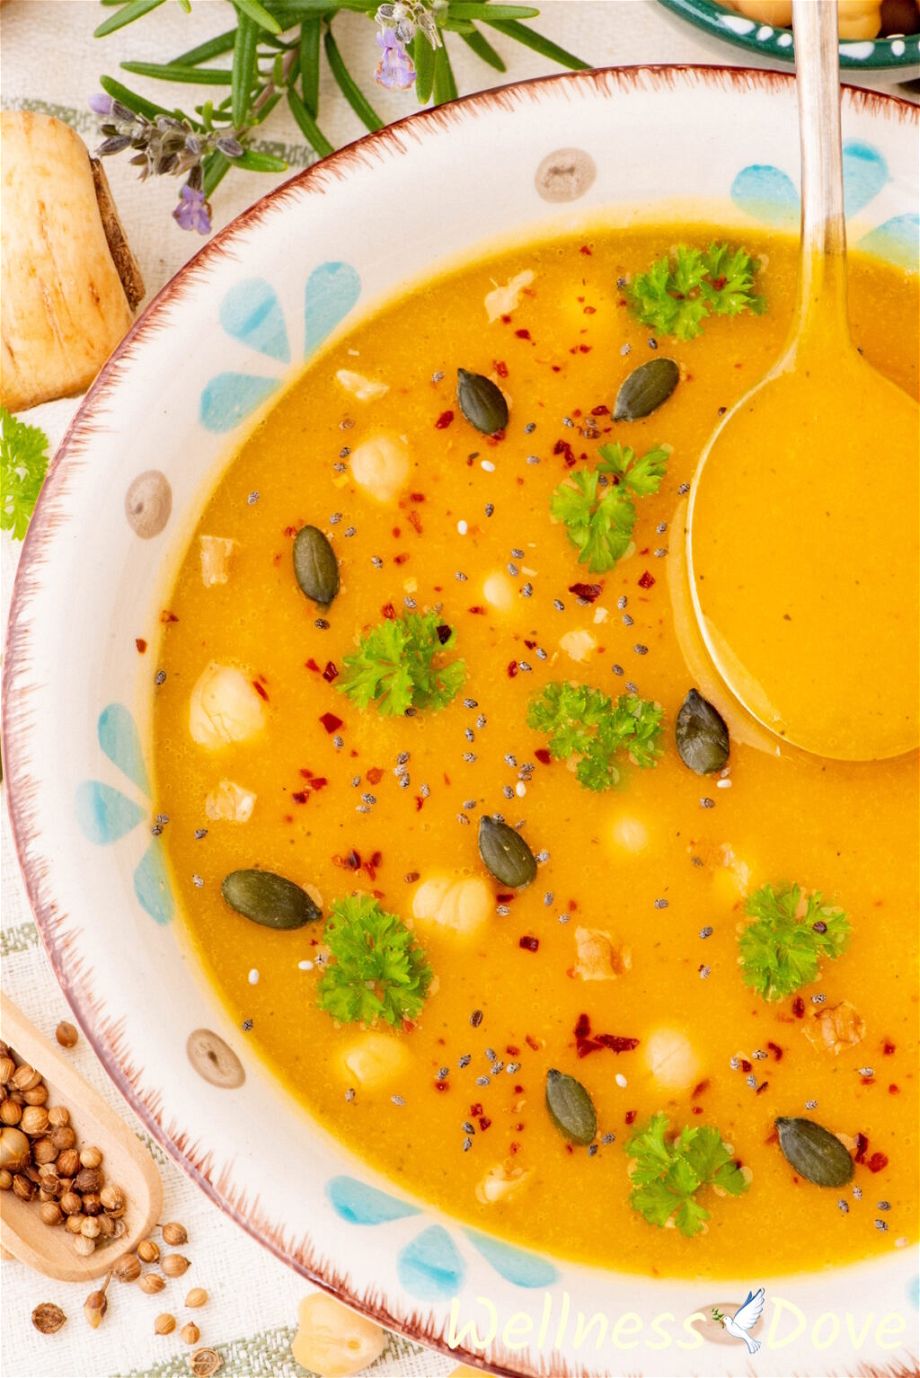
<point>637,964</point>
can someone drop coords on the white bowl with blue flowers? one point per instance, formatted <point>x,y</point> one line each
<point>170,407</point>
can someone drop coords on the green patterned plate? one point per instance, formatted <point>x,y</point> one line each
<point>871,54</point>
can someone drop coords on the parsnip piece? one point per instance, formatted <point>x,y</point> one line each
<point>599,957</point>
<point>365,389</point>
<point>498,591</point>
<point>216,554</point>
<point>500,1182</point>
<point>381,466</point>
<point>229,802</point>
<point>224,707</point>
<point>64,305</point>
<point>461,903</point>
<point>579,645</point>
<point>374,1061</point>
<point>505,297</point>
<point>836,1028</point>
<point>332,1340</point>
<point>671,1059</point>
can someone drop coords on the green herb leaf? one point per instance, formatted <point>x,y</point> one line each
<point>23,464</point>
<point>680,290</point>
<point>348,86</point>
<point>377,970</point>
<point>588,724</point>
<point>308,126</point>
<point>252,9</point>
<point>170,71</point>
<point>667,1171</point>
<point>781,950</point>
<point>599,517</point>
<point>398,665</point>
<point>245,52</point>
<point>512,28</point>
<point>126,15</point>
<point>483,49</point>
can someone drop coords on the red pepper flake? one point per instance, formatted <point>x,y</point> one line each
<point>582,1026</point>
<point>396,533</point>
<point>762,1087</point>
<point>894,1090</point>
<point>629,1117</point>
<point>513,1148</point>
<point>350,862</point>
<point>411,877</point>
<point>512,1050</point>
<point>543,756</point>
<point>586,249</point>
<point>532,1043</point>
<point>419,803</point>
<point>646,580</point>
<point>330,722</point>
<point>443,633</point>
<point>699,1088</point>
<point>862,1145</point>
<point>484,1123</point>
<point>331,672</point>
<point>590,310</point>
<point>600,410</point>
<point>587,1043</point>
<point>505,898</point>
<point>444,421</point>
<point>166,616</point>
<point>141,645</point>
<point>696,1110</point>
<point>512,669</point>
<point>318,782</point>
<point>888,1047</point>
<point>562,447</point>
<point>416,497</point>
<point>878,1162</point>
<point>374,775</point>
<point>476,1108</point>
<point>389,612</point>
<point>589,593</point>
<point>798,1007</point>
<point>312,665</point>
<point>300,796</point>
<point>441,1085</point>
<point>501,368</point>
<point>260,690</point>
<point>415,522</point>
<point>400,559</point>
<point>745,1066</point>
<point>867,1081</point>
<point>371,865</point>
<point>529,944</point>
<point>776,1050</point>
<point>523,333</point>
<point>477,609</point>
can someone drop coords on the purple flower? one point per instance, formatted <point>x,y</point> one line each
<point>394,70</point>
<point>193,211</point>
<point>100,103</point>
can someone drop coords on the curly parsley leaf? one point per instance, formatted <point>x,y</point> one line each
<point>681,290</point>
<point>398,665</point>
<point>781,950</point>
<point>23,464</point>
<point>376,969</point>
<point>597,506</point>
<point>588,724</point>
<point>668,1170</point>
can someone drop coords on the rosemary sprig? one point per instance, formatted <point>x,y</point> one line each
<point>275,50</point>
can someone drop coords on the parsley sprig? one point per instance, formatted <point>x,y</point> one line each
<point>398,665</point>
<point>682,289</point>
<point>781,950</point>
<point>667,1172</point>
<point>598,505</point>
<point>23,464</point>
<point>377,970</point>
<point>588,724</point>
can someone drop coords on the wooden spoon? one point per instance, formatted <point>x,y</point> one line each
<point>803,545</point>
<point>127,1163</point>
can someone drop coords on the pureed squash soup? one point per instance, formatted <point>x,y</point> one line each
<point>529,921</point>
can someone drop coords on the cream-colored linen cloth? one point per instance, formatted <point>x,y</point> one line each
<point>50,62</point>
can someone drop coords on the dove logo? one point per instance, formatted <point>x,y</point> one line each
<point>743,1321</point>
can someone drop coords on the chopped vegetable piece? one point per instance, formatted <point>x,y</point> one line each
<point>597,505</point>
<point>681,290</point>
<point>588,724</point>
<point>377,970</point>
<point>394,666</point>
<point>781,950</point>
<point>668,1170</point>
<point>23,463</point>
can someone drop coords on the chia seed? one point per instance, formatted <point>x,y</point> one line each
<point>321,624</point>
<point>592,1149</point>
<point>617,669</point>
<point>683,489</point>
<point>476,1018</point>
<point>706,932</point>
<point>467,1145</point>
<point>483,1081</point>
<point>197,881</point>
<point>707,803</point>
<point>558,605</point>
<point>489,508</point>
<point>200,833</point>
<point>661,904</point>
<point>530,427</point>
<point>464,1059</point>
<point>253,497</point>
<point>398,1100</point>
<point>160,677</point>
<point>843,1207</point>
<point>470,703</point>
<point>883,1205</point>
<point>881,1224</point>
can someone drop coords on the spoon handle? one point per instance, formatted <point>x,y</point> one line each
<point>823,244</point>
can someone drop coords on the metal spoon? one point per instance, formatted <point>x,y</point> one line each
<point>802,545</point>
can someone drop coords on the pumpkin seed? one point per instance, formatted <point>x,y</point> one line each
<point>505,853</point>
<point>814,1152</point>
<point>482,403</point>
<point>646,388</point>
<point>570,1107</point>
<point>269,899</point>
<point>702,736</point>
<point>316,568</point>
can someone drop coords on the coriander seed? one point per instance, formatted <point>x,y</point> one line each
<point>37,1095</point>
<point>48,1318</point>
<point>73,1224</point>
<point>14,1148</point>
<point>68,1162</point>
<point>88,1179</point>
<point>148,1250</point>
<point>95,1307</point>
<point>89,1227</point>
<point>204,1363</point>
<point>174,1233</point>
<point>23,1188</point>
<point>71,1203</point>
<point>51,1213</point>
<point>58,1116</point>
<point>174,1265</point>
<point>34,1120</point>
<point>196,1297</point>
<point>164,1324</point>
<point>83,1246</point>
<point>90,1156</point>
<point>25,1078</point>
<point>151,1283</point>
<point>92,1203</point>
<point>43,1152</point>
<point>190,1333</point>
<point>66,1034</point>
<point>7,1068</point>
<point>113,1199</point>
<point>6,1179</point>
<point>63,1138</point>
<point>10,1111</point>
<point>127,1268</point>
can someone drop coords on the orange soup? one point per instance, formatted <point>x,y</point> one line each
<point>503,886</point>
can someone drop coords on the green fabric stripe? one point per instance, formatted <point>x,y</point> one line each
<point>267,1355</point>
<point>19,937</point>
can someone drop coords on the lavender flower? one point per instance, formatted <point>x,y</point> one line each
<point>100,103</point>
<point>193,211</point>
<point>394,70</point>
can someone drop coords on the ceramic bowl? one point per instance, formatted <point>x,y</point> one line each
<point>772,41</point>
<point>131,476</point>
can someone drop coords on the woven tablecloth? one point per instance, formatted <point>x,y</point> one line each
<point>51,63</point>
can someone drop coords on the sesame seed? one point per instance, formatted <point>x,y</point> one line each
<point>487,465</point>
<point>758,1055</point>
<point>338,742</point>
<point>462,818</point>
<point>563,918</point>
<point>489,508</point>
<point>705,972</point>
<point>461,577</point>
<point>254,977</point>
<point>881,1224</point>
<point>335,518</point>
<point>476,1018</point>
<point>462,527</point>
<point>608,1138</point>
<point>467,1145</point>
<point>621,1080</point>
<point>548,898</point>
<point>558,605</point>
<point>818,999</point>
<point>750,1080</point>
<point>724,783</point>
<point>513,570</point>
<point>520,789</point>
<point>502,911</point>
<point>625,349</point>
<point>305,966</point>
<point>867,1071</point>
<point>857,1193</point>
<point>481,720</point>
<point>513,1068</point>
<point>437,377</point>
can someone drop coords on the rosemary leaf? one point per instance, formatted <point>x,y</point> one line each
<point>245,51</point>
<point>308,126</point>
<point>309,62</point>
<point>139,105</point>
<point>445,86</point>
<point>348,86</point>
<point>168,71</point>
<point>215,47</point>
<point>214,169</point>
<point>259,162</point>
<point>544,46</point>
<point>126,15</point>
<point>484,50</point>
<point>258,14</point>
<point>423,57</point>
<point>477,9</point>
